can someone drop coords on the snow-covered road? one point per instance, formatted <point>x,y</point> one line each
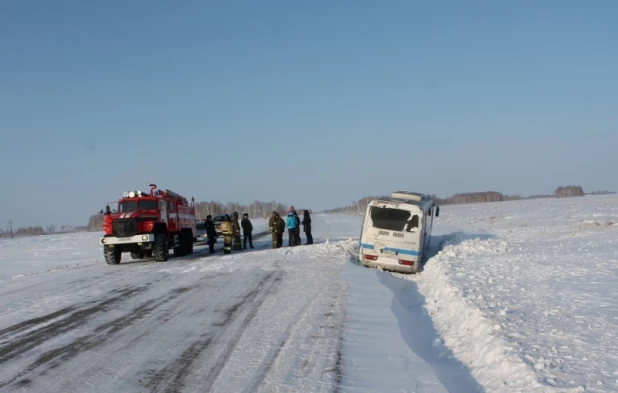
<point>265,320</point>
<point>260,320</point>
<point>517,297</point>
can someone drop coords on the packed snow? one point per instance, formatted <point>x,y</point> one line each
<point>515,297</point>
<point>526,293</point>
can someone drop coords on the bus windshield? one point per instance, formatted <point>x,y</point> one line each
<point>394,219</point>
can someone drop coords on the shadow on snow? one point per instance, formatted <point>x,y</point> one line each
<point>419,333</point>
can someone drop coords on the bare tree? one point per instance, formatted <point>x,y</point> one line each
<point>95,223</point>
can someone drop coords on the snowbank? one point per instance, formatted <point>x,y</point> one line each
<point>28,256</point>
<point>529,302</point>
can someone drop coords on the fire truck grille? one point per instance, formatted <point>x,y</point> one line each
<point>125,227</point>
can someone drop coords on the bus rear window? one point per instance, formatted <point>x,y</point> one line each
<point>393,219</point>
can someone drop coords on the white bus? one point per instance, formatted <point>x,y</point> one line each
<point>397,231</point>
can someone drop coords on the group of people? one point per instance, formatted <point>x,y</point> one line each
<point>277,226</point>
<point>230,227</point>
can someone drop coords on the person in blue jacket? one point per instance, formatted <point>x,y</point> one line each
<point>292,224</point>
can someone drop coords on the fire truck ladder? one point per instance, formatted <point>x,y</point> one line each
<point>173,194</point>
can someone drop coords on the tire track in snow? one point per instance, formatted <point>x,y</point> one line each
<point>269,282</point>
<point>282,343</point>
<point>100,335</point>
<point>236,319</point>
<point>176,373</point>
<point>29,334</point>
<point>324,338</point>
<point>5,334</point>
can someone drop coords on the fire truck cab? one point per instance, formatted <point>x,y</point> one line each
<point>148,225</point>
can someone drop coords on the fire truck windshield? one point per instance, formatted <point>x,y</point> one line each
<point>131,206</point>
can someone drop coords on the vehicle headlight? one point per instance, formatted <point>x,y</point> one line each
<point>145,237</point>
<point>103,240</point>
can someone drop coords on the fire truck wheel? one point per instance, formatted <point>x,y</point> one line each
<point>137,255</point>
<point>160,250</point>
<point>112,255</point>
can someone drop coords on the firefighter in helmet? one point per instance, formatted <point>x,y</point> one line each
<point>226,228</point>
<point>273,225</point>
<point>236,231</point>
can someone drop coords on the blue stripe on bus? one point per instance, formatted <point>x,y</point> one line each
<point>397,250</point>
<point>401,251</point>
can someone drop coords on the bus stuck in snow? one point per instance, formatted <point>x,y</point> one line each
<point>396,231</point>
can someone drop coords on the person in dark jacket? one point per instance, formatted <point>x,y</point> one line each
<point>211,233</point>
<point>281,227</point>
<point>247,229</point>
<point>307,226</point>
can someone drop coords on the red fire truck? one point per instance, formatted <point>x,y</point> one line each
<point>148,225</point>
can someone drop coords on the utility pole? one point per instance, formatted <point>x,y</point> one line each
<point>10,229</point>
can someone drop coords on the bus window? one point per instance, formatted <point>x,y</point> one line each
<point>393,219</point>
<point>412,223</point>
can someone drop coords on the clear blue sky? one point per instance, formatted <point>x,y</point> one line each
<point>314,103</point>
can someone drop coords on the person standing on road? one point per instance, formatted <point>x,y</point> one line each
<point>273,226</point>
<point>297,239</point>
<point>307,226</point>
<point>236,231</point>
<point>247,230</point>
<point>297,229</point>
<point>281,229</point>
<point>226,228</point>
<point>292,223</point>
<point>211,232</point>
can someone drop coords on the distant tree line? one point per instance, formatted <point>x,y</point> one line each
<point>255,209</point>
<point>569,191</point>
<point>360,206</point>
<point>39,230</point>
<point>30,231</point>
<point>24,231</point>
<point>264,209</point>
<point>95,223</point>
<point>357,207</point>
<point>473,197</point>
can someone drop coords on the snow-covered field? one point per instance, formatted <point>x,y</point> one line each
<point>527,293</point>
<point>517,297</point>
